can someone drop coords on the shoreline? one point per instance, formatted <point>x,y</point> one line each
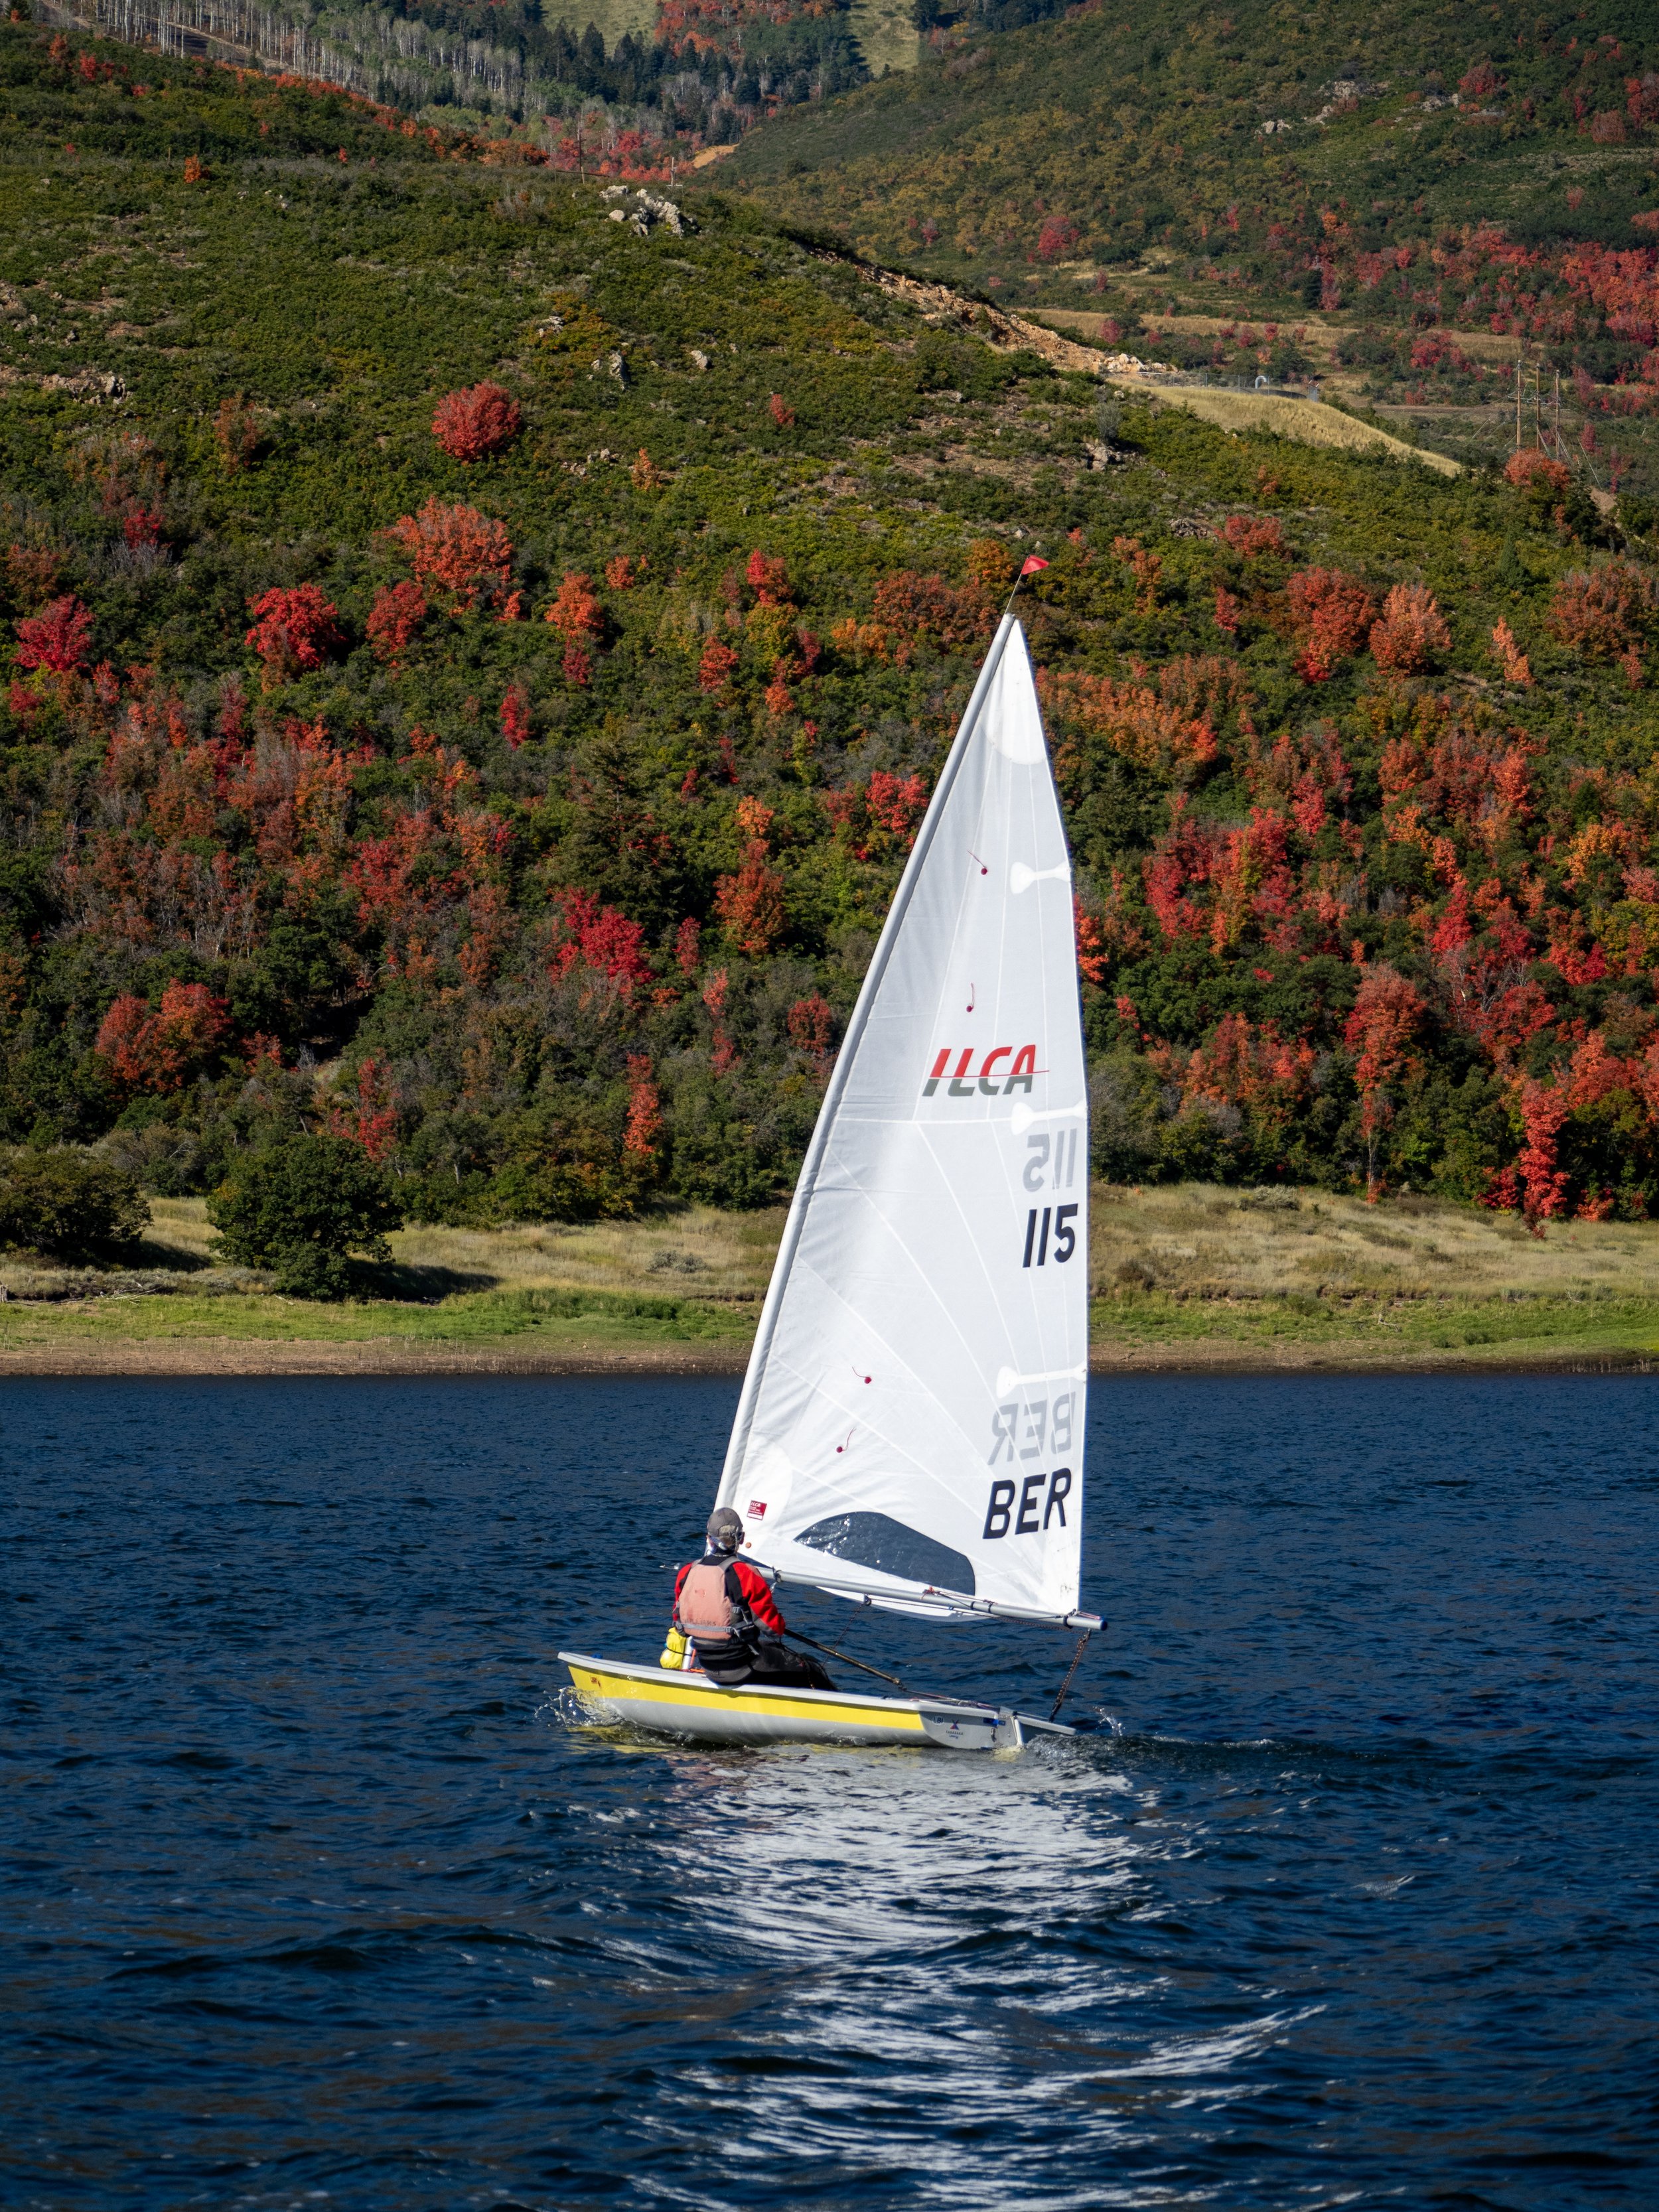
<point>1185,1279</point>
<point>209,1357</point>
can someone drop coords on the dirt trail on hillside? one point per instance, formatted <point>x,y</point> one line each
<point>1311,423</point>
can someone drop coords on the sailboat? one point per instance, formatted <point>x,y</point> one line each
<point>909,1436</point>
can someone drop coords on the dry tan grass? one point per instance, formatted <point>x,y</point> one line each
<point>698,1252</point>
<point>1200,1241</point>
<point>886,31</point>
<point>1309,424</point>
<point>179,1225</point>
<point>1317,334</point>
<point>617,17</point>
<point>1195,1239</point>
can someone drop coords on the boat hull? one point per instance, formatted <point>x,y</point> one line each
<point>668,1703</point>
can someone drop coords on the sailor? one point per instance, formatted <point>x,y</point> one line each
<point>726,1610</point>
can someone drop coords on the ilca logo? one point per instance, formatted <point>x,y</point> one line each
<point>993,1080</point>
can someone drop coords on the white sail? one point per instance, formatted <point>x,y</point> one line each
<point>911,1425</point>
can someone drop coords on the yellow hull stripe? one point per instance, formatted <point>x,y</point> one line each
<point>676,1690</point>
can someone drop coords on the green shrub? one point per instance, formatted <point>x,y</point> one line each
<point>558,1190</point>
<point>68,1206</point>
<point>301,1208</point>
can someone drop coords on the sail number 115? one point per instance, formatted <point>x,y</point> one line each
<point>1049,1230</point>
<point>1049,1236</point>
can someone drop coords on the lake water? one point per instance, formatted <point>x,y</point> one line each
<point>310,1898</point>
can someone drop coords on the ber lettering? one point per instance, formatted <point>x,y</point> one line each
<point>1027,1506</point>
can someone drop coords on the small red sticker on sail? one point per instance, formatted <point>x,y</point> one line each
<point>1032,566</point>
<point>758,1509</point>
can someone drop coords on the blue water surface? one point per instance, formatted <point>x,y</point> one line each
<point>311,1897</point>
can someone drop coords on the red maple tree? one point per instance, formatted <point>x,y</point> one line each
<point>398,612</point>
<point>58,638</point>
<point>644,1123</point>
<point>295,630</point>
<point>472,424</point>
<point>1387,1014</point>
<point>367,1111</point>
<point>599,937</point>
<point>812,1023</point>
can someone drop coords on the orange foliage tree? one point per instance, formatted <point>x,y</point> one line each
<point>1517,668</point>
<point>1603,611</point>
<point>1245,1065</point>
<point>1250,536</point>
<point>156,1049</point>
<point>1152,732</point>
<point>1412,632</point>
<point>457,553</point>
<point>576,614</point>
<point>953,617</point>
<point>749,903</point>
<point>1334,614</point>
<point>717,667</point>
<point>1528,469</point>
<point>644,1123</point>
<point>1147,568</point>
<point>235,433</point>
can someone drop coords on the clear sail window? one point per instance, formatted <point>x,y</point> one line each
<point>876,1539</point>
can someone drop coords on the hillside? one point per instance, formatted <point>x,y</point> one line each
<point>1145,126</point>
<point>621,85</point>
<point>523,803</point>
<point>1413,201</point>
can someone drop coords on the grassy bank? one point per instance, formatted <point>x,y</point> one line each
<point>480,1320</point>
<point>1182,1274</point>
<point>1301,1331</point>
<point>1189,1273</point>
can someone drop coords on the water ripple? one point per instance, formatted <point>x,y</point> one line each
<point>314,1895</point>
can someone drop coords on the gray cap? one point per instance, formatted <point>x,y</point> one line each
<point>725,1529</point>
